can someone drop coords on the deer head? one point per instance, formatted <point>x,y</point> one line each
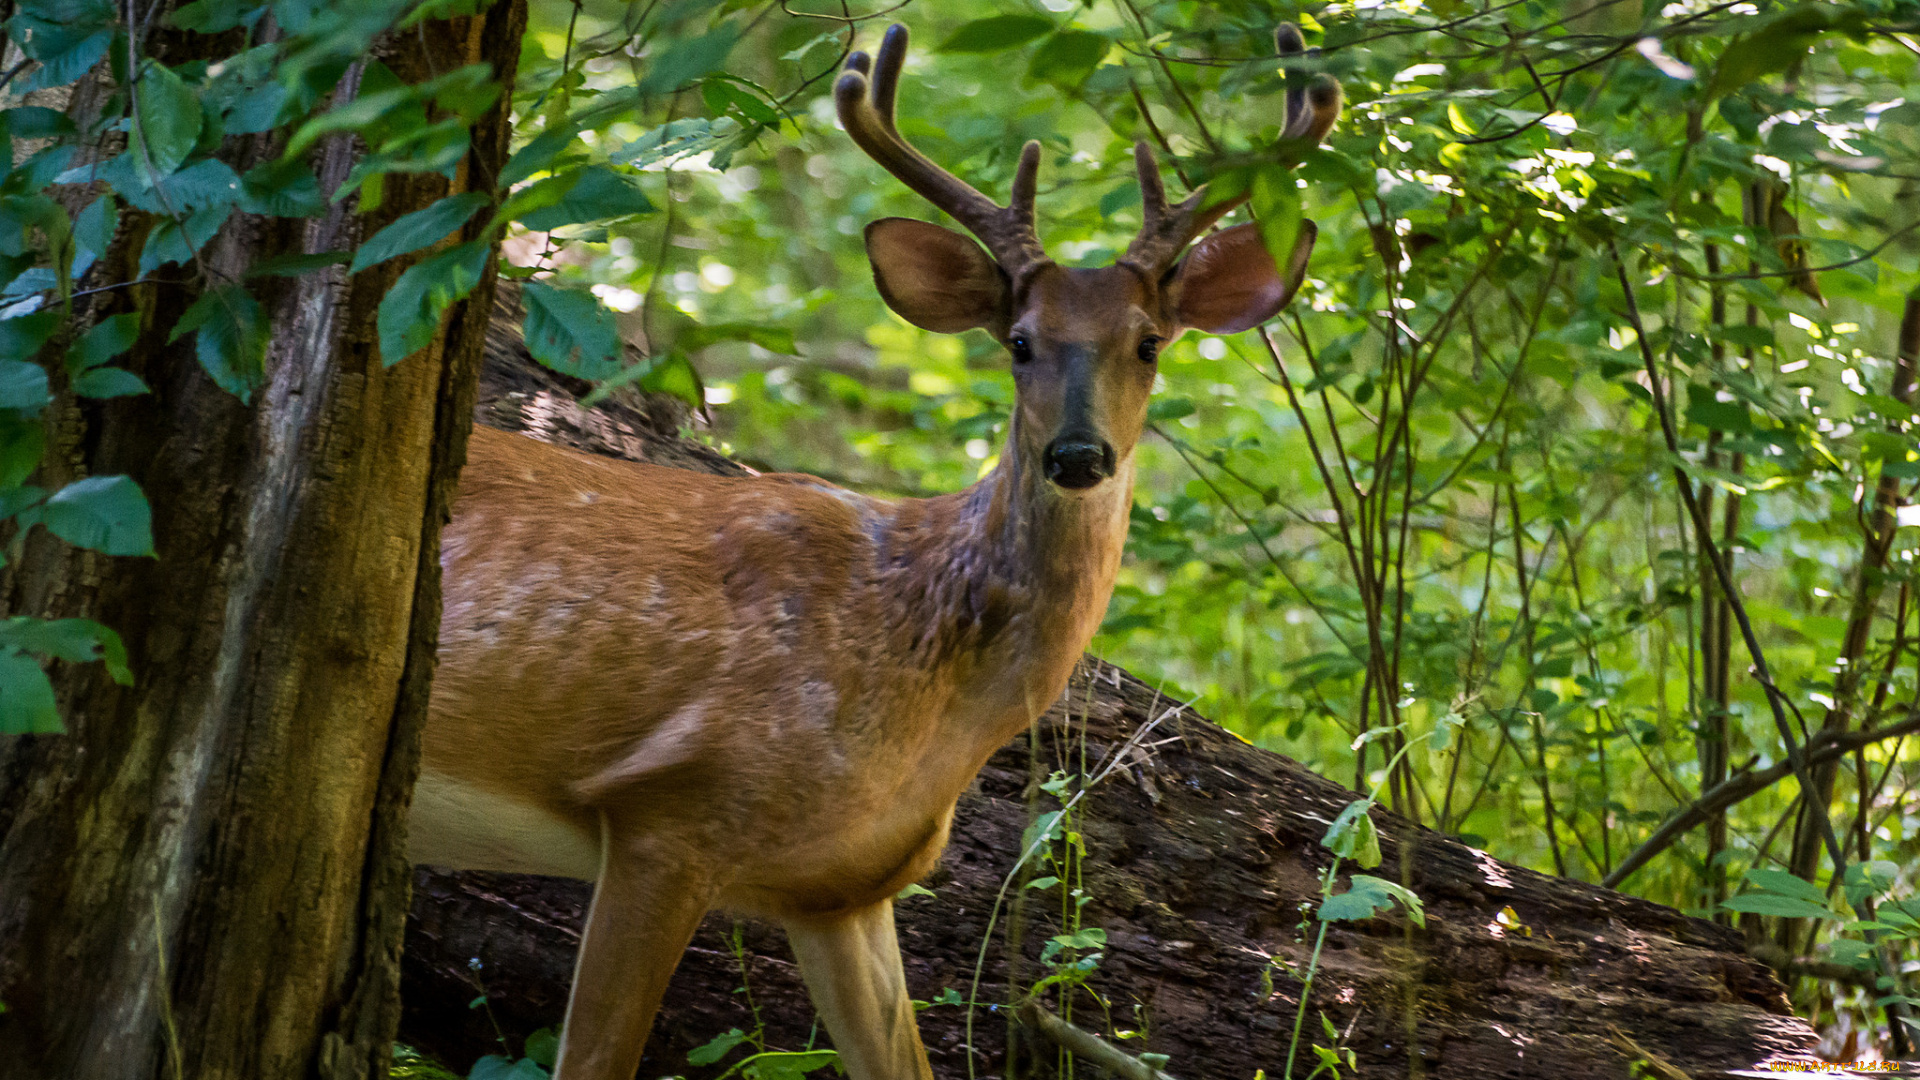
<point>1084,342</point>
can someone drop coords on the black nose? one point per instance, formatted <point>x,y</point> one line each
<point>1075,461</point>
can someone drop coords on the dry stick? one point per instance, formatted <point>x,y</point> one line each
<point>1824,747</point>
<point>1703,532</point>
<point>1086,1044</point>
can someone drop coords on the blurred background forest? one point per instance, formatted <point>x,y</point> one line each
<point>1606,312</point>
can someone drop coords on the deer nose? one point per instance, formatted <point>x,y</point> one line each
<point>1075,461</point>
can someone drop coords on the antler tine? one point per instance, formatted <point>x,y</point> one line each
<point>1166,231</point>
<point>866,107</point>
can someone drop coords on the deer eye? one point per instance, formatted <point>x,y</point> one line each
<point>1149,348</point>
<point>1021,349</point>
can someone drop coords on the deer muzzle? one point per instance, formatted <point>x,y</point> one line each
<point>1078,462</point>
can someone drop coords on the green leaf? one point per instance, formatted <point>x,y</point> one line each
<point>93,229</point>
<point>108,338</point>
<point>1367,894</point>
<point>166,121</point>
<point>1785,884</point>
<point>36,122</point>
<point>778,1065</point>
<point>216,16</point>
<point>1276,206</point>
<point>77,52</point>
<point>720,94</point>
<point>995,33</point>
<point>410,313</point>
<point>1787,907</point>
<point>911,891</point>
<point>538,154</point>
<point>496,1067</point>
<point>422,228</point>
<point>569,331</point>
<point>79,641</point>
<point>282,188</point>
<point>688,60</point>
<point>598,195</point>
<point>232,341</point>
<point>176,241</point>
<point>108,382</point>
<point>1771,48</point>
<point>1068,57</point>
<point>1172,408</point>
<point>22,441</point>
<point>205,183</point>
<point>676,139</point>
<point>1353,836</point>
<point>716,1048</point>
<point>1087,937</point>
<point>27,705</point>
<point>108,514</point>
<point>1705,410</point>
<point>774,339</point>
<point>543,1047</point>
<point>23,386</point>
<point>1127,194</point>
<point>21,338</point>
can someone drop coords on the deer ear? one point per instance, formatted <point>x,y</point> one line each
<point>935,278</point>
<point>1228,282</point>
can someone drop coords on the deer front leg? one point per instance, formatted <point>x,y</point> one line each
<point>645,911</point>
<point>851,962</point>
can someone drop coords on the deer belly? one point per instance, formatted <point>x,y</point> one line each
<point>467,828</point>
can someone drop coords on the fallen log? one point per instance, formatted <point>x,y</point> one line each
<point>1202,867</point>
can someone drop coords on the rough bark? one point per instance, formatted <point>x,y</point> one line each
<point>206,876</point>
<point>1202,866</point>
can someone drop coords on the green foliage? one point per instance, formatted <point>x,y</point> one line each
<point>1367,894</point>
<point>422,228</point>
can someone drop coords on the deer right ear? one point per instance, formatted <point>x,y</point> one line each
<point>1228,282</point>
<point>935,278</point>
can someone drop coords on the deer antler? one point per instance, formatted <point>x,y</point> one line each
<point>1007,231</point>
<point>1166,231</point>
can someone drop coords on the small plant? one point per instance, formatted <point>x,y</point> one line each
<point>1352,836</point>
<point>411,1064</point>
<point>762,1063</point>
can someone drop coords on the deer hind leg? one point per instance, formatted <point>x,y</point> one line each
<point>645,911</point>
<point>851,962</point>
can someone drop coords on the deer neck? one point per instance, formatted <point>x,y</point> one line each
<point>1030,568</point>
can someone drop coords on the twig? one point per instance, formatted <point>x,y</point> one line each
<point>1082,1043</point>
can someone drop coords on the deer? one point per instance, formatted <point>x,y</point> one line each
<point>766,694</point>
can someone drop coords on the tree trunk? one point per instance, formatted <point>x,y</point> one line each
<point>206,876</point>
<point>1202,865</point>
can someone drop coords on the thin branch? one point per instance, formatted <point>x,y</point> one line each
<point>1825,747</point>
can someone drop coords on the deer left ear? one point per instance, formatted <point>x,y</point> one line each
<point>1228,282</point>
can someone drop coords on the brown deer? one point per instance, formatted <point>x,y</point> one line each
<point>767,693</point>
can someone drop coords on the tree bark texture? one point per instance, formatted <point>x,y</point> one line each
<point>1203,865</point>
<point>206,878</point>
